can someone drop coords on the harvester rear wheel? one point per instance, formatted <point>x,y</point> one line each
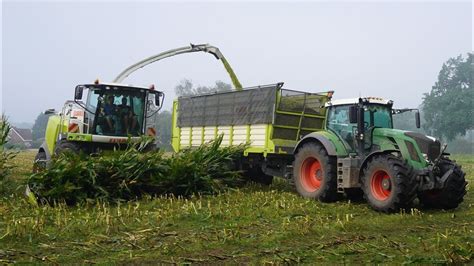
<point>453,192</point>
<point>388,183</point>
<point>314,173</point>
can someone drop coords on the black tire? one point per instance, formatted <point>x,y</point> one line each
<point>354,194</point>
<point>39,163</point>
<point>65,146</point>
<point>314,173</point>
<point>388,183</point>
<point>453,192</point>
<point>258,176</point>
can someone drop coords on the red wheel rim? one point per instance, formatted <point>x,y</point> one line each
<point>311,174</point>
<point>381,185</point>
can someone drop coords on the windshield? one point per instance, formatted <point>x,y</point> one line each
<point>118,110</point>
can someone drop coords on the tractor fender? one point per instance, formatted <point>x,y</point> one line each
<point>318,138</point>
<point>372,154</point>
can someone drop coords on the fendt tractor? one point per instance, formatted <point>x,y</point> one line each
<point>327,147</point>
<point>111,113</point>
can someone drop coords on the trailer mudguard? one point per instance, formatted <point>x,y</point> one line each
<point>328,140</point>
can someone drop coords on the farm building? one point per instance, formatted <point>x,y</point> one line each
<point>20,136</point>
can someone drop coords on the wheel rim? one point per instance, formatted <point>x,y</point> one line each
<point>311,174</point>
<point>381,185</point>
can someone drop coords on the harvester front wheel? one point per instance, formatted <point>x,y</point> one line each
<point>65,146</point>
<point>314,173</point>
<point>452,194</point>
<point>388,183</point>
<point>39,163</point>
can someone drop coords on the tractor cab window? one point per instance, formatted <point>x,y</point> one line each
<point>374,116</point>
<point>378,116</point>
<point>338,122</point>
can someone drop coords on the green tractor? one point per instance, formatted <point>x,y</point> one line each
<point>360,153</point>
<point>328,148</point>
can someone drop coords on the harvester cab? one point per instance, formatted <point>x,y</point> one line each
<point>102,116</point>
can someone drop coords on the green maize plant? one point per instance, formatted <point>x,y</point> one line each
<point>133,173</point>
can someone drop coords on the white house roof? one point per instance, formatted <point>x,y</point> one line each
<point>376,100</point>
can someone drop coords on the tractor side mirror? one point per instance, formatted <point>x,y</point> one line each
<point>78,93</point>
<point>417,119</point>
<point>159,98</point>
<point>353,114</point>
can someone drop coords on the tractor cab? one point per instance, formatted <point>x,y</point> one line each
<point>355,120</point>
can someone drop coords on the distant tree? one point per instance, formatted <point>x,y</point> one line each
<point>39,128</point>
<point>448,108</point>
<point>186,88</point>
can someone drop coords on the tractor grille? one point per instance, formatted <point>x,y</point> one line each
<point>430,147</point>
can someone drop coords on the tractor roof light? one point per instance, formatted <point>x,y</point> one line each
<point>96,81</point>
<point>152,87</point>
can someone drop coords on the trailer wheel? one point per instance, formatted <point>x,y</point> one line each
<point>39,163</point>
<point>453,192</point>
<point>388,183</point>
<point>65,146</point>
<point>258,176</point>
<point>314,173</point>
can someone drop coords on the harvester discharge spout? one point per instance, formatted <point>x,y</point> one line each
<point>187,49</point>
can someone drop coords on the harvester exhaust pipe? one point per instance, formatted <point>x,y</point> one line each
<point>187,49</point>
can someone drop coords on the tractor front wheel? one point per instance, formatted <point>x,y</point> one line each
<point>452,194</point>
<point>314,173</point>
<point>388,183</point>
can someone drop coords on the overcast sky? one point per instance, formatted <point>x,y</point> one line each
<point>393,50</point>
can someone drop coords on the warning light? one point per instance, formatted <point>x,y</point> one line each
<point>96,81</point>
<point>152,87</point>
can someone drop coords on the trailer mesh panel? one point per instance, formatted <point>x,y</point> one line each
<point>253,106</point>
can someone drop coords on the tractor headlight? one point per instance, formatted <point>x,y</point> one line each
<point>425,156</point>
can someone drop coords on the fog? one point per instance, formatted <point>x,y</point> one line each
<point>393,50</point>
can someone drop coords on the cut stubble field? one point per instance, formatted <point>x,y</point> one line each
<point>255,224</point>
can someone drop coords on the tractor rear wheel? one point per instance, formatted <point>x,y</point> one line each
<point>453,192</point>
<point>388,183</point>
<point>314,173</point>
